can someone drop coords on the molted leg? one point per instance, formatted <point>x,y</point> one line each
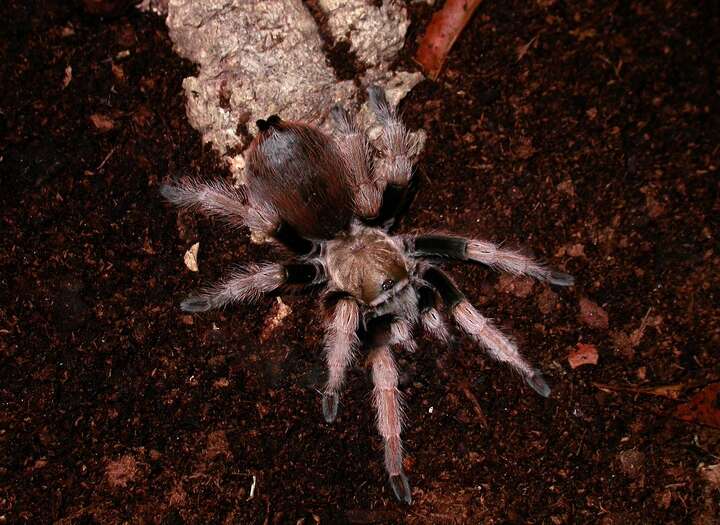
<point>340,344</point>
<point>251,282</point>
<point>390,419</point>
<point>486,253</point>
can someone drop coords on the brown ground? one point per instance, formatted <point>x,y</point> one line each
<point>596,147</point>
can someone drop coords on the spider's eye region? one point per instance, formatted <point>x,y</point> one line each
<point>388,284</point>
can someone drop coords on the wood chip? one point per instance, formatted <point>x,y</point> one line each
<point>584,354</point>
<point>440,35</point>
<point>191,257</point>
<point>102,123</point>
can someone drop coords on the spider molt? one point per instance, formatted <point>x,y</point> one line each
<point>331,202</point>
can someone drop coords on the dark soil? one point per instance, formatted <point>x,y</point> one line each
<point>595,146</point>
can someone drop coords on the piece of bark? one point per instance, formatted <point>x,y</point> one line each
<point>440,35</point>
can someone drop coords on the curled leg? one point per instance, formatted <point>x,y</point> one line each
<point>249,283</point>
<point>486,253</point>
<point>483,331</point>
<point>390,419</point>
<point>341,341</point>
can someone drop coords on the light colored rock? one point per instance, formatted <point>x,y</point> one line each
<point>256,58</point>
<point>376,33</point>
<point>262,57</point>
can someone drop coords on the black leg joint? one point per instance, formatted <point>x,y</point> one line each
<point>378,330</point>
<point>426,298</point>
<point>301,273</point>
<point>441,246</point>
<point>288,236</point>
<point>395,201</point>
<point>331,299</point>
<point>450,294</point>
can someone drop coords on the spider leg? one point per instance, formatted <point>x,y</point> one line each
<point>341,341</point>
<point>431,320</point>
<point>249,283</point>
<point>389,330</point>
<point>220,200</point>
<point>483,331</point>
<point>394,171</point>
<point>387,400</point>
<point>434,246</point>
<point>355,152</point>
<point>214,199</point>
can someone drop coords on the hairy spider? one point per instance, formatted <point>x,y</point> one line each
<point>332,203</point>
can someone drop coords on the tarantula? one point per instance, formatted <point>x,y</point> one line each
<point>331,202</point>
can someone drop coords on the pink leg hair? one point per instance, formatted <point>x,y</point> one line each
<point>433,323</point>
<point>355,152</point>
<point>247,284</point>
<point>514,262</point>
<point>341,342</point>
<point>388,404</point>
<point>497,344</point>
<point>218,199</point>
<point>398,146</point>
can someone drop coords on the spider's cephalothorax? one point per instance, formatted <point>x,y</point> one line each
<point>330,202</point>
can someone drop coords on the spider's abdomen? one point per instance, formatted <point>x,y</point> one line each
<point>297,169</point>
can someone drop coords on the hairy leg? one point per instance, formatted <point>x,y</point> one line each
<point>355,152</point>
<point>249,283</point>
<point>220,200</point>
<point>215,199</point>
<point>430,319</point>
<point>433,246</point>
<point>389,330</point>
<point>341,341</point>
<point>483,331</point>
<point>393,172</point>
<point>387,402</point>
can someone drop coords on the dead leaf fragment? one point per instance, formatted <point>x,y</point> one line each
<point>190,257</point>
<point>280,312</point>
<point>668,391</point>
<point>703,407</point>
<point>102,123</point>
<point>584,354</point>
<point>593,315</point>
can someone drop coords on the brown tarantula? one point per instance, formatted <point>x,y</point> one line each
<point>331,203</point>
